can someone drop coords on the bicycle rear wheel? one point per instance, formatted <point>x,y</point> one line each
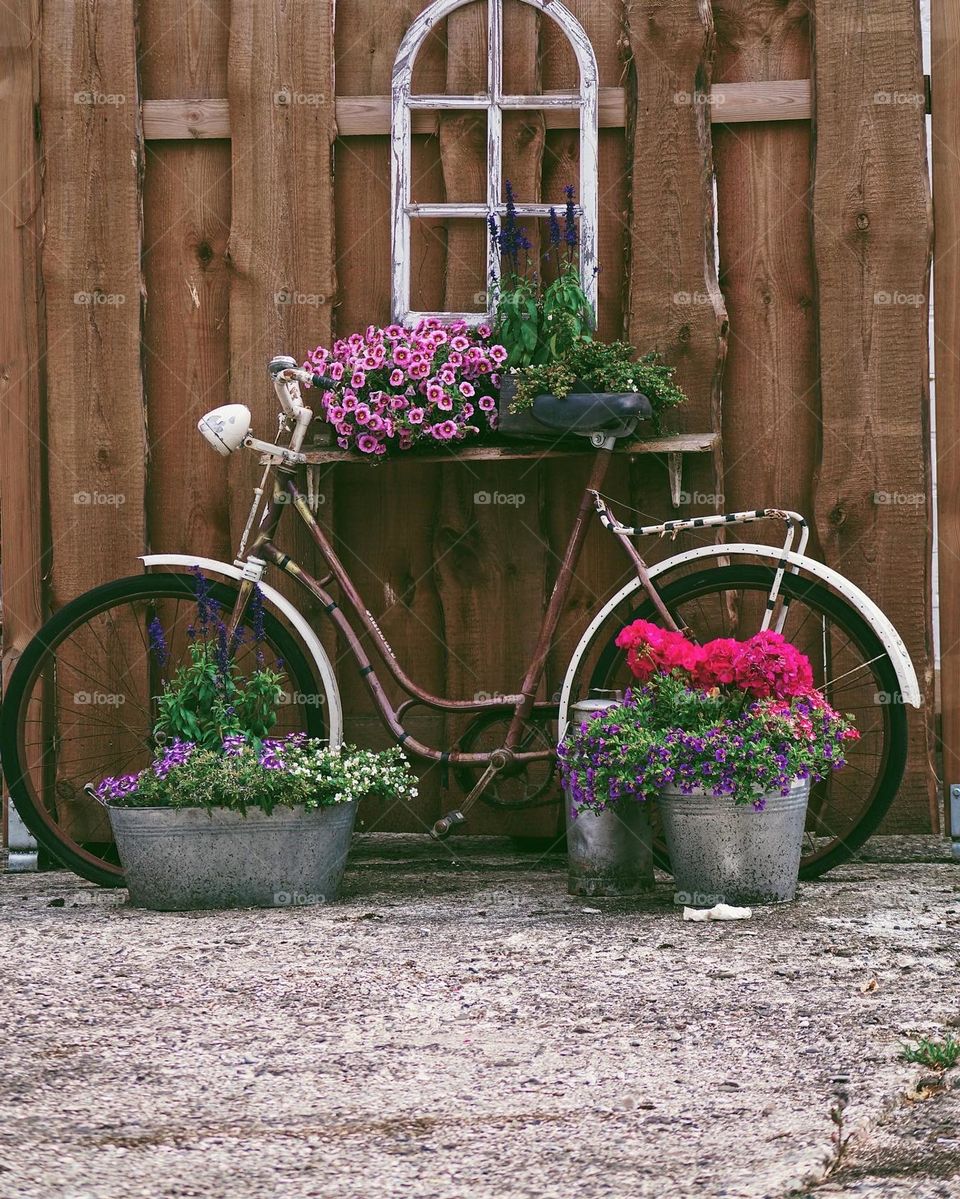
<point>849,663</point>
<point>81,705</point>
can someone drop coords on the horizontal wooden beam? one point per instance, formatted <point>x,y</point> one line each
<point>359,116</point>
<point>676,443</point>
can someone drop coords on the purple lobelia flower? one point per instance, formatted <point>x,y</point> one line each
<point>569,218</point>
<point>172,756</point>
<point>555,235</point>
<point>234,745</point>
<point>258,615</point>
<point>158,642</point>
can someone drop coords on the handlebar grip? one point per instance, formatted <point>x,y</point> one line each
<point>325,382</point>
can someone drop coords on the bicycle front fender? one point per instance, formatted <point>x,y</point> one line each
<point>311,641</point>
<point>881,625</point>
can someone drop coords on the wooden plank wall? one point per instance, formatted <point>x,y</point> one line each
<point>265,228</point>
<point>946,271</point>
<point>871,237</point>
<point>22,360</point>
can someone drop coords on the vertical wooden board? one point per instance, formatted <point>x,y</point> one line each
<point>872,251</point>
<point>281,248</point>
<point>385,515</point>
<point>672,254</point>
<point>92,162</point>
<point>770,391</point>
<point>22,373</point>
<point>945,83</point>
<point>92,156</point>
<point>183,52</point>
<point>489,545</point>
<point>602,566</point>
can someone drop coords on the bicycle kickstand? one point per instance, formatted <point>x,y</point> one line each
<point>446,824</point>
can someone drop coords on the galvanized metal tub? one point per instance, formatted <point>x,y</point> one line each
<point>722,851</point>
<point>609,852</point>
<point>180,859</point>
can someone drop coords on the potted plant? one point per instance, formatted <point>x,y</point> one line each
<point>407,389</point>
<point>727,737</point>
<point>224,815</point>
<point>547,331</point>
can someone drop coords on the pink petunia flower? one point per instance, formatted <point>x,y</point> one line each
<point>396,377</point>
<point>467,389</point>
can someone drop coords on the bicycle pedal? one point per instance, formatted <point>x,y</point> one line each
<point>445,826</point>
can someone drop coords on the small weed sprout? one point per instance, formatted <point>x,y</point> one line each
<point>934,1053</point>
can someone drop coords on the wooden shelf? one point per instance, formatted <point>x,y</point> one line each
<point>678,443</point>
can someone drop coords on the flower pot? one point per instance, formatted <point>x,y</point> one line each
<point>722,851</point>
<point>179,859</point>
<point>610,852</point>
<point>592,411</point>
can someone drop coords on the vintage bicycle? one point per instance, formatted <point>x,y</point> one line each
<point>81,702</point>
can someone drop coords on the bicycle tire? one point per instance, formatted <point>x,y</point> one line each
<point>67,620</point>
<point>811,591</point>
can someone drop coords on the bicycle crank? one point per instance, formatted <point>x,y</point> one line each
<point>500,759</point>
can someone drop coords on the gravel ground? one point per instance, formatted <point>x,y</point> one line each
<point>460,1027</point>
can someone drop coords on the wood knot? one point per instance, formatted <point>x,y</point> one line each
<point>838,516</point>
<point>863,221</point>
<point>204,253</point>
<point>683,334</point>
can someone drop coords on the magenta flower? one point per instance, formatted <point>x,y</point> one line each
<point>401,385</point>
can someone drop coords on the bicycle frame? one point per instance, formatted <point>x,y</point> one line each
<point>264,550</point>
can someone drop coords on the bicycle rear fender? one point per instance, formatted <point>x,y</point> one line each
<point>878,622</point>
<point>315,650</point>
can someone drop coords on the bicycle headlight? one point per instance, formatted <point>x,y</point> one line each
<point>226,427</point>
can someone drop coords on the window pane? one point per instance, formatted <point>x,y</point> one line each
<point>448,265</point>
<point>461,139</point>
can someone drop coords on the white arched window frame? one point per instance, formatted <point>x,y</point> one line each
<point>494,102</point>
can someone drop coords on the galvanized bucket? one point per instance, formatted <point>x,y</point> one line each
<point>609,852</point>
<point>180,859</point>
<point>722,851</point>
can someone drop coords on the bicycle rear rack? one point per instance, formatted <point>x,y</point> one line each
<point>670,528</point>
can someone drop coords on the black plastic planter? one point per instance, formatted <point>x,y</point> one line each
<point>580,412</point>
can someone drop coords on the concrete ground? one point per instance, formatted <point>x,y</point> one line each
<point>461,1028</point>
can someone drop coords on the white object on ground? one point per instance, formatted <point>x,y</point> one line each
<point>721,911</point>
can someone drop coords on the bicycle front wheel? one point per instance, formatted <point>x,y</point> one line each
<point>850,665</point>
<point>81,705</point>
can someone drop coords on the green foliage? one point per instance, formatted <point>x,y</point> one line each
<point>537,325</point>
<point>935,1054</point>
<point>209,698</point>
<point>245,774</point>
<point>600,366</point>
<point>669,734</point>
